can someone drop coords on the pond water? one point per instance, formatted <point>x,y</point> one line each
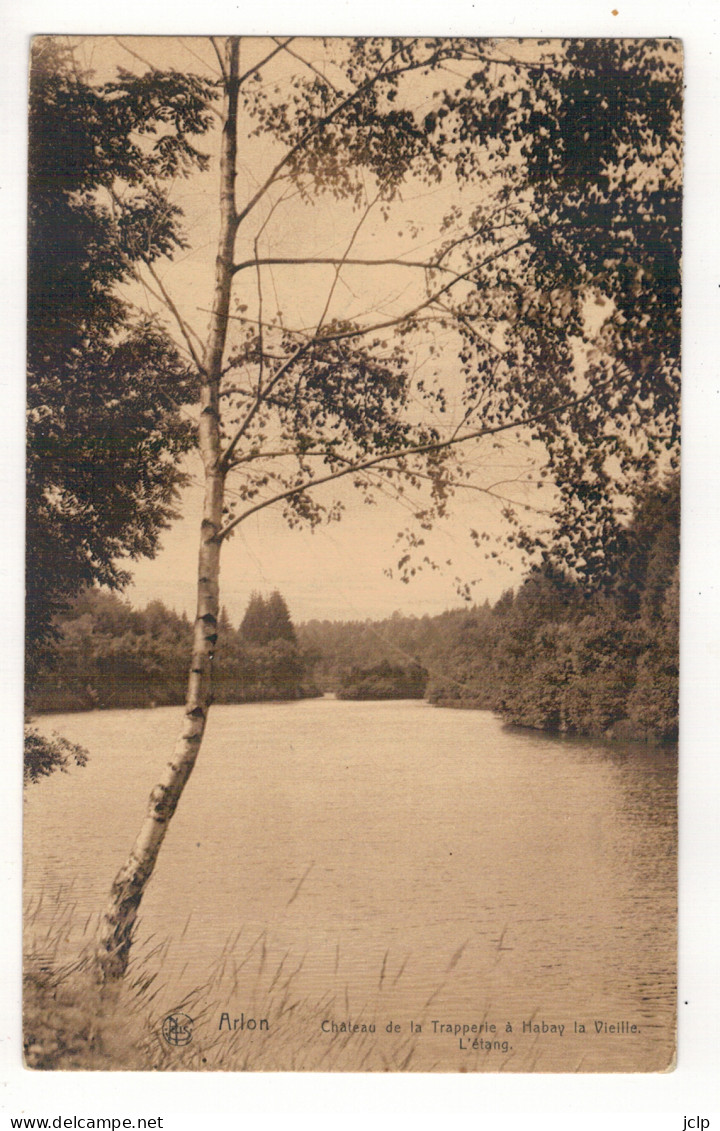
<point>403,863</point>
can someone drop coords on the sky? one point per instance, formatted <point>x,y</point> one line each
<point>336,572</point>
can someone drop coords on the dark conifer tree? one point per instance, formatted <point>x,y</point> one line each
<point>280,626</point>
<point>254,625</point>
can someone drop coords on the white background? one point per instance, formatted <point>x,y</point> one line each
<point>229,1100</point>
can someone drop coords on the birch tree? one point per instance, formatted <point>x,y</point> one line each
<point>542,303</point>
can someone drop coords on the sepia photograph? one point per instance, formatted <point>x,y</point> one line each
<point>352,554</point>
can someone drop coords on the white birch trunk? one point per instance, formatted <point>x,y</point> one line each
<point>118,922</point>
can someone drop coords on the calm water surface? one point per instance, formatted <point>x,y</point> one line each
<point>459,871</point>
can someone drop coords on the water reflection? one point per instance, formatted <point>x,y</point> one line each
<point>496,869</point>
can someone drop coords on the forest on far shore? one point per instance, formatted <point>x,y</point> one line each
<point>109,654</point>
<point>554,655</point>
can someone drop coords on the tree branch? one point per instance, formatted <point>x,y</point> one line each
<point>414,450</point>
<point>281,453</point>
<point>360,331</point>
<point>258,278</point>
<point>259,66</point>
<point>305,63</point>
<point>318,125</point>
<point>150,66</point>
<point>184,328</point>
<point>259,398</point>
<point>341,263</point>
<point>221,61</point>
<point>473,332</point>
<point>325,261</point>
<point>491,493</point>
<point>408,315</point>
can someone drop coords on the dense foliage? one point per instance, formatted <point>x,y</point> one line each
<point>111,655</point>
<point>45,755</point>
<point>557,655</point>
<point>106,384</point>
<point>338,646</point>
<point>383,681</point>
<point>601,139</point>
<point>266,620</point>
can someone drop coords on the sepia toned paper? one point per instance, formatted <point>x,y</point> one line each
<point>355,882</point>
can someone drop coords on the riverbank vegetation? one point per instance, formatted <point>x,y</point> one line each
<point>562,657</point>
<point>73,1023</point>
<point>109,654</point>
<point>561,654</point>
<point>384,681</point>
<point>557,654</point>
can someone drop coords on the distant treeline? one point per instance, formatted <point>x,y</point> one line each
<point>558,654</point>
<point>111,655</point>
<point>384,681</point>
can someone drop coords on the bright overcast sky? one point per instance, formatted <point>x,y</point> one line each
<point>335,572</point>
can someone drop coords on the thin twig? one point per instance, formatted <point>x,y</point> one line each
<point>341,263</point>
<point>315,71</point>
<point>263,62</point>
<point>220,59</point>
<point>255,407</point>
<point>185,330</point>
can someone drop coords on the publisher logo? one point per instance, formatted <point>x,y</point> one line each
<point>177,1029</point>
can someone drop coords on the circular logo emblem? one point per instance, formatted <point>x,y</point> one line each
<point>177,1029</point>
